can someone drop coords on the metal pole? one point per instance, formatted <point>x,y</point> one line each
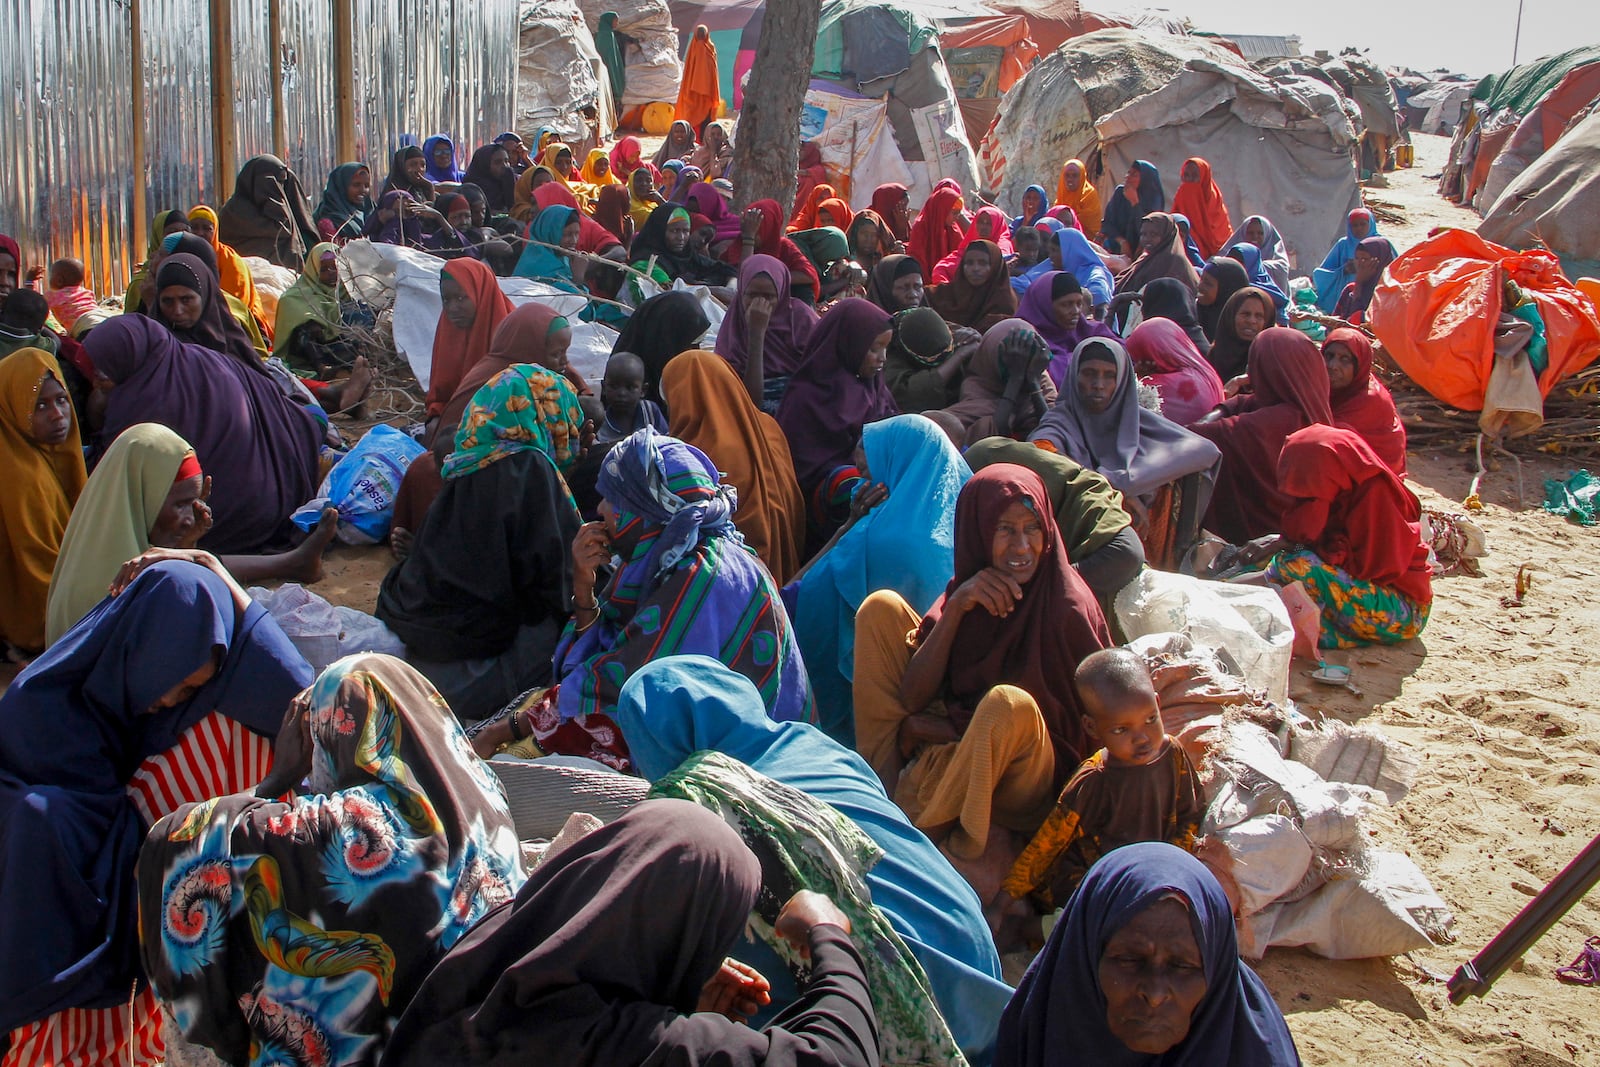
<point>280,128</point>
<point>225,138</point>
<point>141,165</point>
<point>1516,42</point>
<point>344,78</point>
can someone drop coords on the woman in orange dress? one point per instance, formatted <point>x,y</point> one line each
<point>700,92</point>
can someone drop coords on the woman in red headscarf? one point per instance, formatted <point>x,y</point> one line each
<point>1291,393</point>
<point>1360,401</point>
<point>892,202</point>
<point>761,232</point>
<point>473,307</point>
<point>805,210</point>
<point>1354,539</point>
<point>937,231</point>
<point>1200,201</point>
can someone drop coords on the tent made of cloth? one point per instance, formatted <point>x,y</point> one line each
<point>1436,308</point>
<point>1553,202</point>
<point>650,54</point>
<point>1539,130</point>
<point>1521,87</point>
<point>1281,147</point>
<point>558,72</point>
<point>1437,108</point>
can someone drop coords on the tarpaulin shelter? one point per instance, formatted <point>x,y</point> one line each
<point>1437,107</point>
<point>558,71</point>
<point>650,53</point>
<point>1539,129</point>
<point>1280,147</point>
<point>1554,201</point>
<point>1436,308</point>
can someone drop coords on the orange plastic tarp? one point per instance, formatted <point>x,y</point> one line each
<point>1436,308</point>
<point>1008,32</point>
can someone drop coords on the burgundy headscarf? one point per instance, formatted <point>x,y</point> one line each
<point>1347,504</point>
<point>1291,392</point>
<point>934,235</point>
<point>257,445</point>
<point>770,241</point>
<point>1188,385</point>
<point>787,333</point>
<point>999,234</point>
<point>826,403</point>
<point>1037,647</point>
<point>1365,405</point>
<point>887,197</point>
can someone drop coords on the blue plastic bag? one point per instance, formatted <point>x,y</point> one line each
<point>363,486</point>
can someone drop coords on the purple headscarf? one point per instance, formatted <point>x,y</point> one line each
<point>704,198</point>
<point>1037,311</point>
<point>827,403</point>
<point>258,447</point>
<point>787,333</point>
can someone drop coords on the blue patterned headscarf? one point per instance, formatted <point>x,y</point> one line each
<point>668,495</point>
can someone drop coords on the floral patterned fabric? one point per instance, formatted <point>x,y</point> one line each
<point>1354,612</point>
<point>522,407</point>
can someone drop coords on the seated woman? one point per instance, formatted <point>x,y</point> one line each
<point>687,704</point>
<point>1160,255</point>
<point>346,202</point>
<point>1071,252</point>
<point>643,198</point>
<point>343,899</point>
<point>310,323</point>
<point>923,365</point>
<point>979,294</point>
<point>43,459</point>
<point>828,251</point>
<point>189,303</point>
<point>449,239</point>
<point>1249,256</point>
<point>490,170</point>
<point>1219,280</point>
<point>989,224</point>
<point>679,144</point>
<point>166,693</point>
<point>761,233</point>
<point>896,284</point>
<point>148,491</point>
<point>710,409</point>
<point>973,724</point>
<point>1035,202</point>
<point>937,231</point>
<point>1372,256</point>
<point>806,207</point>
<point>1360,401</point>
<point>714,154</point>
<point>1095,529</point>
<point>1339,264</point>
<point>474,305</point>
<point>1143,967</point>
<point>1290,384</point>
<point>232,271</point>
<point>687,583</point>
<point>870,239</point>
<point>1164,472</point>
<point>398,220</point>
<point>1353,540</point>
<point>484,591</point>
<point>1168,298</point>
<point>259,447</point>
<point>1139,194</point>
<point>1056,306</point>
<point>603,975</point>
<point>266,216</point>
<point>834,212</point>
<point>1259,232</point>
<point>1004,390</point>
<point>553,234</point>
<point>836,390</point>
<point>1247,313</point>
<point>1190,249</point>
<point>141,284</point>
<point>892,202</point>
<point>900,536</point>
<point>1166,357</point>
<point>662,249</point>
<point>1077,194</point>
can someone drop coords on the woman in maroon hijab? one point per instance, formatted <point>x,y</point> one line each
<point>1360,401</point>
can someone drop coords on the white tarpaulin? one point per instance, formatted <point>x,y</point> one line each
<point>1283,149</point>
<point>854,137</point>
<point>557,72</point>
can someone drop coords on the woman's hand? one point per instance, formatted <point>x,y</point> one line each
<point>291,752</point>
<point>750,224</point>
<point>758,313</point>
<point>591,550</point>
<point>737,991</point>
<point>202,516</point>
<point>990,589</point>
<point>805,911</point>
<point>1236,385</point>
<point>35,276</point>
<point>923,729</point>
<point>963,336</point>
<point>136,566</point>
<point>868,498</point>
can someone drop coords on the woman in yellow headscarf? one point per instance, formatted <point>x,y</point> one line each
<point>700,91</point>
<point>597,170</point>
<point>232,271</point>
<point>1074,190</point>
<point>558,160</point>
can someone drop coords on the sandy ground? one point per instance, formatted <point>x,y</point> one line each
<point>1492,696</point>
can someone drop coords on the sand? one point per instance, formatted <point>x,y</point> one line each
<point>1492,697</point>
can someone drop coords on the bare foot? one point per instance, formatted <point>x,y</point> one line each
<point>986,872</point>
<point>353,390</point>
<point>304,563</point>
<point>400,542</point>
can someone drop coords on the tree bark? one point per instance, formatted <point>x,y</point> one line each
<point>766,150</point>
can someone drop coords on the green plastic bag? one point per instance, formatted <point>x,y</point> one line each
<point>1575,498</point>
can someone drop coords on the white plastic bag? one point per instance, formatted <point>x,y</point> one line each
<point>322,633</point>
<point>1270,858</point>
<point>1247,625</point>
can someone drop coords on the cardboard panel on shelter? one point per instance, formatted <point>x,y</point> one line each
<point>1553,201</point>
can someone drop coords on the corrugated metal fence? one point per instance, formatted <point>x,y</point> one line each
<point>67,172</point>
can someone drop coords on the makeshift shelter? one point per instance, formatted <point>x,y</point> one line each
<point>649,54</point>
<point>558,71</point>
<point>1438,107</point>
<point>1282,148</point>
<point>1553,201</point>
<point>1540,129</point>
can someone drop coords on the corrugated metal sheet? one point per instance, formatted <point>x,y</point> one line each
<point>66,179</point>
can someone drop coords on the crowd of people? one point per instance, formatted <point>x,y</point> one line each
<point>837,578</point>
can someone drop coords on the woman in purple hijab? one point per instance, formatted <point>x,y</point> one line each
<point>1056,305</point>
<point>837,389</point>
<point>766,319</point>
<point>257,447</point>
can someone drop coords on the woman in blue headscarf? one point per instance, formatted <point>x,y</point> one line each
<point>555,225</point>
<point>1249,256</point>
<point>905,543</point>
<point>1139,194</point>
<point>686,704</point>
<point>168,692</point>
<point>1339,265</point>
<point>1071,251</point>
<point>439,152</point>
<point>1190,249</point>
<point>1035,202</point>
<point>1143,968</point>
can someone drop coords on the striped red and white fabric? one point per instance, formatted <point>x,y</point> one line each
<point>214,757</point>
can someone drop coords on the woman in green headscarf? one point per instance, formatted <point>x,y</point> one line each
<point>608,42</point>
<point>309,319</point>
<point>824,247</point>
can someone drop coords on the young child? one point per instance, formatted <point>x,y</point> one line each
<point>622,394</point>
<point>68,298</point>
<point>1139,787</point>
<point>23,315</point>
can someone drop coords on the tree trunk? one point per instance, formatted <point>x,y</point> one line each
<point>766,151</point>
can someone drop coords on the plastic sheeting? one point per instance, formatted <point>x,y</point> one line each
<point>1523,86</point>
<point>1539,130</point>
<point>1554,200</point>
<point>1281,148</point>
<point>558,71</point>
<point>651,57</point>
